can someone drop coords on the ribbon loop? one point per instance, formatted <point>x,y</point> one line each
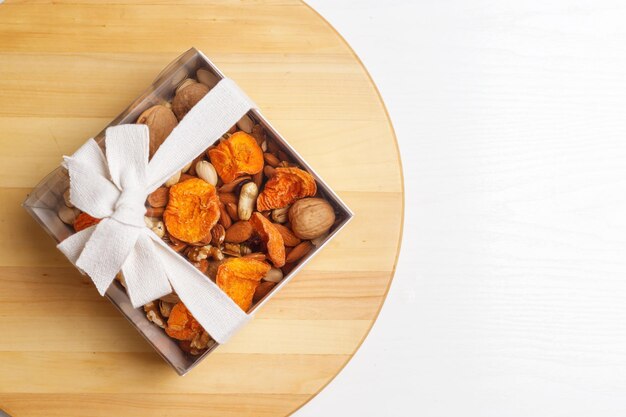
<point>114,188</point>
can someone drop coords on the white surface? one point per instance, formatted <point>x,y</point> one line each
<point>510,295</point>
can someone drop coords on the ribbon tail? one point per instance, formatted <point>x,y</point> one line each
<point>106,251</point>
<point>144,274</point>
<point>214,310</point>
<point>90,189</point>
<point>74,244</point>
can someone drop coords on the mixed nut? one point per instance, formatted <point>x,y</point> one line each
<point>242,212</point>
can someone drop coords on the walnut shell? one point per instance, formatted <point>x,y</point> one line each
<point>311,217</point>
<point>187,97</point>
<point>161,121</point>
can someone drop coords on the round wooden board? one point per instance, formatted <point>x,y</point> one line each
<point>66,69</point>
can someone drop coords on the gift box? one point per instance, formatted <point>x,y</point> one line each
<point>297,220</point>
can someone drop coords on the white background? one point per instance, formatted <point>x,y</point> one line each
<point>510,294</point>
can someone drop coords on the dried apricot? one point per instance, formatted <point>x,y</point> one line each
<point>272,238</point>
<point>83,221</point>
<point>285,187</point>
<point>239,278</point>
<point>181,325</point>
<point>239,154</point>
<point>192,210</point>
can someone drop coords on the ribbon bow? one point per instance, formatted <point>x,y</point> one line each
<point>114,188</point>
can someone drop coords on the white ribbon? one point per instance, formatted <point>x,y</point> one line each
<point>114,188</point>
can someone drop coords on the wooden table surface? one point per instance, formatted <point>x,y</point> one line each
<point>66,69</point>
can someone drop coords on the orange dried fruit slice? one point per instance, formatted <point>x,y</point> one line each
<point>239,154</point>
<point>83,221</point>
<point>181,325</point>
<point>272,238</point>
<point>239,278</point>
<point>192,210</point>
<point>285,187</point>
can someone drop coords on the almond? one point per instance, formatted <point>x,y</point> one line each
<point>158,198</point>
<point>225,219</point>
<point>299,251</point>
<point>258,256</point>
<point>262,290</point>
<point>230,187</point>
<point>239,232</point>
<point>271,159</point>
<point>226,198</point>
<point>288,237</point>
<point>231,208</point>
<point>155,211</point>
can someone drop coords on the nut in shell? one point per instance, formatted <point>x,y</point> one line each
<point>311,217</point>
<point>173,179</point>
<point>68,214</point>
<point>274,275</point>
<point>207,77</point>
<point>66,198</point>
<point>165,308</point>
<point>247,199</point>
<point>280,215</point>
<point>206,171</point>
<point>158,229</point>
<point>217,235</point>
<point>245,124</point>
<point>153,314</point>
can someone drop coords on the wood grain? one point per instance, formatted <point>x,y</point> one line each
<point>66,69</point>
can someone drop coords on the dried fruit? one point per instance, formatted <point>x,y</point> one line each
<point>288,237</point>
<point>160,121</point>
<point>239,232</point>
<point>240,154</point>
<point>272,238</point>
<point>311,217</point>
<point>193,209</point>
<point>83,221</point>
<point>247,198</point>
<point>285,187</point>
<point>181,325</point>
<point>262,290</point>
<point>239,278</point>
<point>187,97</point>
<point>159,197</point>
<point>299,251</point>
